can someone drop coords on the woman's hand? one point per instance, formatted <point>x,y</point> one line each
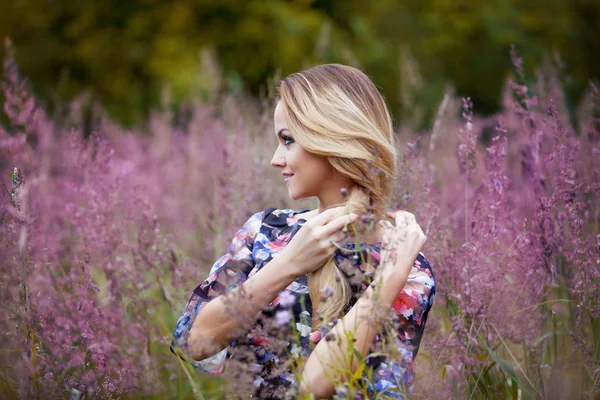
<point>313,243</point>
<point>401,244</point>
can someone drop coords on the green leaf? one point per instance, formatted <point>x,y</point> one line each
<point>595,323</point>
<point>515,390</point>
<point>484,381</point>
<point>358,355</point>
<point>193,382</point>
<point>506,367</point>
<point>359,371</point>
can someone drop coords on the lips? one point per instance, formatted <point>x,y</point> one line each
<point>287,175</point>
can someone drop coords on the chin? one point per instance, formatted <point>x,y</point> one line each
<point>300,194</point>
<point>296,196</point>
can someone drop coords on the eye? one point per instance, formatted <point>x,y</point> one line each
<point>287,140</point>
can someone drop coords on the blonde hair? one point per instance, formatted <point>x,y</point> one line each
<point>336,111</point>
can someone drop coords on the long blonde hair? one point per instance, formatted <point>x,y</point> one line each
<point>336,111</point>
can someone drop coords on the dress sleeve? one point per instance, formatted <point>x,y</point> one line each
<point>227,272</point>
<point>395,375</point>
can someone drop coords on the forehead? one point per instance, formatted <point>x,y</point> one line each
<point>279,118</point>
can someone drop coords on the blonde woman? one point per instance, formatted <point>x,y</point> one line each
<point>321,275</point>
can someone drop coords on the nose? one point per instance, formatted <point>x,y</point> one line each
<point>278,159</point>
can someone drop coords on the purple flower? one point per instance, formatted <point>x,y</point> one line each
<point>326,293</point>
<point>512,213</point>
<point>286,298</point>
<point>283,317</point>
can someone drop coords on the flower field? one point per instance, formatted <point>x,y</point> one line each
<point>106,230</point>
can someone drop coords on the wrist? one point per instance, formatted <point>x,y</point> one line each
<point>277,275</point>
<point>289,267</point>
<point>398,268</point>
<point>397,272</point>
<point>391,283</point>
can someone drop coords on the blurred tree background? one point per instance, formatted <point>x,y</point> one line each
<point>124,53</point>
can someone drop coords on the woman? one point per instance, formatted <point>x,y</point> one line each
<point>302,271</point>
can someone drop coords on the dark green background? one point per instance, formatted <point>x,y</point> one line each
<point>125,52</point>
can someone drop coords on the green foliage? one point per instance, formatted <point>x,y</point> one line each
<point>125,53</point>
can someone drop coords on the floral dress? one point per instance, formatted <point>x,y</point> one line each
<point>259,240</point>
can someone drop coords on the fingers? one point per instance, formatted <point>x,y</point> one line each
<point>402,218</point>
<point>338,223</point>
<point>329,225</point>
<point>339,237</point>
<point>386,224</point>
<point>326,216</point>
<point>407,229</point>
<point>315,336</point>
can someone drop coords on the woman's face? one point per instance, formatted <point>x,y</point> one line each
<point>311,174</point>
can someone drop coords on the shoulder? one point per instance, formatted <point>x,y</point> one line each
<point>254,222</point>
<point>280,217</point>
<point>268,214</point>
<point>422,273</point>
<point>422,263</point>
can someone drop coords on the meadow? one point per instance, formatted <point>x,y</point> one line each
<point>106,230</point>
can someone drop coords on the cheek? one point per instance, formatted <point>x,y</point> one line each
<point>321,166</point>
<point>294,157</point>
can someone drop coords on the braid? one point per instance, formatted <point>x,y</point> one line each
<point>330,275</point>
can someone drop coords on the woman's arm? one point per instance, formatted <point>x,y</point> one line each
<point>330,355</point>
<point>204,329</point>
<point>403,243</point>
<point>220,321</point>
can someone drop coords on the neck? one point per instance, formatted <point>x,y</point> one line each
<point>366,234</point>
<point>329,192</point>
<point>332,197</point>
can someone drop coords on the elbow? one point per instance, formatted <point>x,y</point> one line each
<point>198,354</point>
<point>196,338</point>
<point>317,385</point>
<point>207,359</point>
<point>200,345</point>
<point>195,350</point>
<point>200,348</point>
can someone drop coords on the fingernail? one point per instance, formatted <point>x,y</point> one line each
<point>315,336</point>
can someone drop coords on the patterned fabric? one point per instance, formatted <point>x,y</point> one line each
<point>261,238</point>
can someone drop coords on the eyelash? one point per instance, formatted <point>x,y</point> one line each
<point>286,138</point>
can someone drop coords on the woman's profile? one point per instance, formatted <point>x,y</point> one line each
<point>317,280</point>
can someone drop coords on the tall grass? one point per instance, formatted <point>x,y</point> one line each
<point>102,238</point>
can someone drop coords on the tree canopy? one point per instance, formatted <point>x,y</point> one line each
<point>124,53</point>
